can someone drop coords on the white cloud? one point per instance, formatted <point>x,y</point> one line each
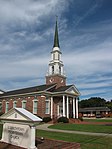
<point>26,42</point>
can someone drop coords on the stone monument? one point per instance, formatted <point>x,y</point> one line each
<point>19,128</point>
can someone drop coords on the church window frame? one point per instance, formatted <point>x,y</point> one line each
<point>52,69</point>
<point>59,69</point>
<point>53,56</point>
<point>35,106</point>
<point>47,105</point>
<point>14,104</point>
<point>7,107</point>
<point>24,104</point>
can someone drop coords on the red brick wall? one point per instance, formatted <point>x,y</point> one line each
<point>41,104</point>
<point>56,79</point>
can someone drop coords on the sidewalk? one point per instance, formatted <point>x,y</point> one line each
<point>45,127</point>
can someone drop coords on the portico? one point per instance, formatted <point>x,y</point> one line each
<point>66,103</point>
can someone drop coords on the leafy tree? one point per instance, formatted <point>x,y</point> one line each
<point>92,102</point>
<point>109,105</point>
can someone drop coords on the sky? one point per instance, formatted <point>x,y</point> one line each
<point>85,36</point>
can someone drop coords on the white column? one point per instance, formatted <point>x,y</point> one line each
<point>32,146</point>
<point>74,108</point>
<point>63,105</point>
<point>67,107</point>
<point>51,107</point>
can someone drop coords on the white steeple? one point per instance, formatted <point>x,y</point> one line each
<point>55,72</point>
<point>56,65</point>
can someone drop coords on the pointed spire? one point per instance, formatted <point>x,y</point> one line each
<point>56,39</point>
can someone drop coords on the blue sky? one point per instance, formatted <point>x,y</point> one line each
<point>85,34</point>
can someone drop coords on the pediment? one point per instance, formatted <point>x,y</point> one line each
<point>73,90</point>
<point>20,114</point>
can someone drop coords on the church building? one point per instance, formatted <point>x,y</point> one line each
<point>53,99</point>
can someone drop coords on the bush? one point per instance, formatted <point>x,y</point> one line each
<point>81,118</point>
<point>63,119</point>
<point>47,119</point>
<point>1,113</point>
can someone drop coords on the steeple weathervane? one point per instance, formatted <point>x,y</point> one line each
<point>56,39</point>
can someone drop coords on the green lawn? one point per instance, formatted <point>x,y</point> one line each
<point>82,127</point>
<point>99,120</point>
<point>86,141</point>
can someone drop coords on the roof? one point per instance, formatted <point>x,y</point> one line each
<point>94,109</point>
<point>29,90</point>
<point>28,114</point>
<point>20,114</point>
<point>56,39</point>
<point>62,88</point>
<point>50,89</point>
<point>1,91</point>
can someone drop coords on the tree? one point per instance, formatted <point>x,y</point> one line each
<point>92,102</point>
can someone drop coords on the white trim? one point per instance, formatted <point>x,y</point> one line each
<point>35,112</point>
<point>6,107</point>
<point>14,103</point>
<point>67,107</point>
<point>48,106</point>
<point>24,101</point>
<point>63,105</point>
<point>51,107</point>
<point>74,107</point>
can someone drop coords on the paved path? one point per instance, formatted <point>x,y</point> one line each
<point>45,127</point>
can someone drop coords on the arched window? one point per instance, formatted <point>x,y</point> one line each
<point>52,69</point>
<point>58,56</point>
<point>59,69</point>
<point>53,56</point>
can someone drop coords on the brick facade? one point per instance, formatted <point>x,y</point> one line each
<point>41,104</point>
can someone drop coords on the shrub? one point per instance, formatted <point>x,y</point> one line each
<point>63,119</point>
<point>81,118</point>
<point>1,113</point>
<point>47,119</point>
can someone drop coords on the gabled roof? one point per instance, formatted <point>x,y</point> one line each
<point>62,88</point>
<point>21,115</point>
<point>29,90</point>
<point>50,89</point>
<point>89,109</point>
<point>70,89</point>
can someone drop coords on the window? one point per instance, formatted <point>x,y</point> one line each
<point>24,104</point>
<point>58,56</point>
<point>35,103</point>
<point>7,107</point>
<point>47,107</point>
<point>52,69</point>
<point>0,107</point>
<point>53,56</point>
<point>59,69</point>
<point>14,104</point>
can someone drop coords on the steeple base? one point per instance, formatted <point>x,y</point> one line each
<point>58,79</point>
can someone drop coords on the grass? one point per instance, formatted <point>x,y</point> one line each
<point>99,120</point>
<point>86,141</point>
<point>82,127</point>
